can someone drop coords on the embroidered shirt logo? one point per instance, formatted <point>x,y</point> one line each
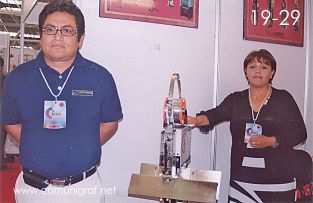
<point>82,93</point>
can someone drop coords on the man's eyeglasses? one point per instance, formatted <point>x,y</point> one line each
<point>65,31</point>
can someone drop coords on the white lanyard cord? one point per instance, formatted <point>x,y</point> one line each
<point>265,98</point>
<point>48,86</point>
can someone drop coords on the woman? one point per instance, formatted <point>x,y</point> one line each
<point>265,125</point>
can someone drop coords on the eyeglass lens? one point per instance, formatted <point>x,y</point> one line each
<point>66,31</point>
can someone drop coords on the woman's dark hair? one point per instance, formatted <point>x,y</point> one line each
<point>262,56</point>
<point>67,7</point>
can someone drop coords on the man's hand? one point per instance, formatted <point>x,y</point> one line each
<point>14,131</point>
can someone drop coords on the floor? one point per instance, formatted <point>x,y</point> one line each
<point>7,181</point>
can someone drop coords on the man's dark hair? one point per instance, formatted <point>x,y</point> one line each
<point>67,7</point>
<point>262,56</point>
<point>1,62</point>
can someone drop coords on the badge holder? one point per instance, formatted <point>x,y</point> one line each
<point>54,114</point>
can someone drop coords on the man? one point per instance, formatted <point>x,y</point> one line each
<point>62,108</point>
<point>2,131</point>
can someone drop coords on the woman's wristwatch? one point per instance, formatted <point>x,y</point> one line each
<point>275,143</point>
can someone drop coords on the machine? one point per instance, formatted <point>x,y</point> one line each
<point>171,181</point>
<point>176,136</point>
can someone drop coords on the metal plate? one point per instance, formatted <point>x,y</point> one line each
<point>155,187</point>
<point>149,184</point>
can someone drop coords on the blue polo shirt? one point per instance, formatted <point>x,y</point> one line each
<point>59,153</point>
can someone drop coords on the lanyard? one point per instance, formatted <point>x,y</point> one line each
<point>48,86</point>
<point>257,115</point>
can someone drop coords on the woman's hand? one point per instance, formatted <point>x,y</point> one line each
<point>191,120</point>
<point>261,141</point>
<point>198,120</point>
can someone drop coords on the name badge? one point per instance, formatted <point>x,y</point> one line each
<point>251,129</point>
<point>54,114</point>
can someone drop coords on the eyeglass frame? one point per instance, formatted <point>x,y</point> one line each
<point>75,31</point>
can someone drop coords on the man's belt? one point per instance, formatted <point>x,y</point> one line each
<point>38,181</point>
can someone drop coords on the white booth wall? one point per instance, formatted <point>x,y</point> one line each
<point>142,56</point>
<point>309,75</point>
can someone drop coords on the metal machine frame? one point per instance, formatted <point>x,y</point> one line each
<point>172,181</point>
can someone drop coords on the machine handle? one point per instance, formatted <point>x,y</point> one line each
<point>175,77</point>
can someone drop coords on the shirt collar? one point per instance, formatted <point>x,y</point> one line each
<point>78,61</point>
